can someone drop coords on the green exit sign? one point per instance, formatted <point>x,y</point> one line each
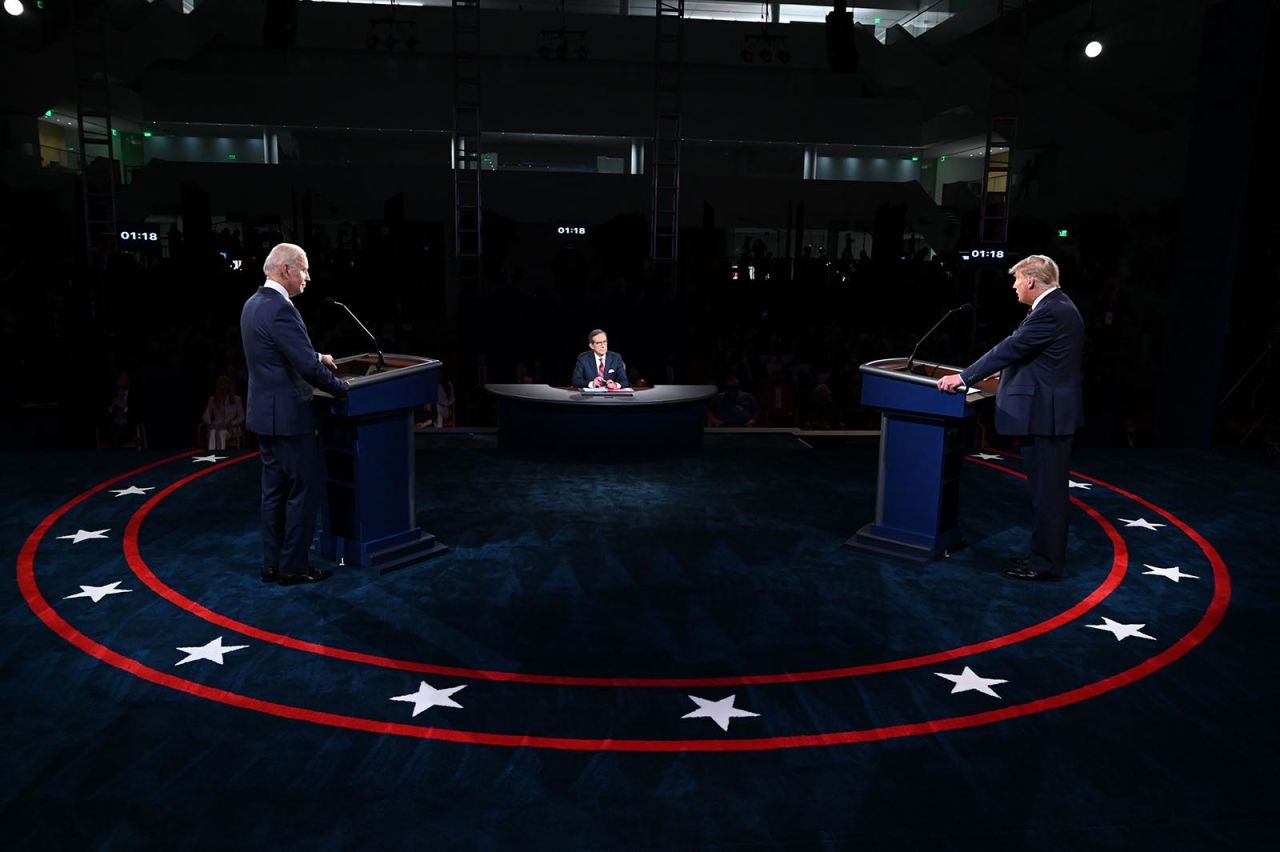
<point>1062,232</point>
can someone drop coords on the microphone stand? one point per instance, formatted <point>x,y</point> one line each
<point>911,358</point>
<point>382,364</point>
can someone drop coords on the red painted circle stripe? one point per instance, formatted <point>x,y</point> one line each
<point>1210,620</point>
<point>139,566</point>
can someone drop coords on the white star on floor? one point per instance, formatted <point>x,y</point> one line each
<point>718,711</point>
<point>97,593</point>
<point>1121,631</point>
<point>968,681</point>
<point>428,696</point>
<point>988,456</point>
<point>1142,522</point>
<point>132,489</point>
<point>84,535</point>
<point>211,651</point>
<point>1169,573</point>
<point>210,458</point>
<point>1087,486</point>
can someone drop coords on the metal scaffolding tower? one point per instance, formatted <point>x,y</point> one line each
<point>996,206</point>
<point>664,209</point>
<point>99,169</point>
<point>467,211</point>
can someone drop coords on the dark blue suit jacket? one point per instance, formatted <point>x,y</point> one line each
<point>1039,364</point>
<point>283,367</point>
<point>585,370</point>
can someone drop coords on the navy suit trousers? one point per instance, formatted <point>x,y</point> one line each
<point>292,485</point>
<point>1047,461</point>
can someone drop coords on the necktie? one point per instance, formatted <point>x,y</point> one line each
<point>601,368</point>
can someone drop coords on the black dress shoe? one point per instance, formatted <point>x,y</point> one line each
<point>311,575</point>
<point>270,576</point>
<point>1025,573</point>
<point>1018,562</point>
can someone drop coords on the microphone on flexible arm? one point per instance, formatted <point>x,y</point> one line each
<point>382,365</point>
<point>956,310</point>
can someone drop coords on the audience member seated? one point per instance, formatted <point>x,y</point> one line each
<point>223,418</point>
<point>445,401</point>
<point>732,406</point>
<point>121,425</point>
<point>424,416</point>
<point>822,412</point>
<point>777,399</point>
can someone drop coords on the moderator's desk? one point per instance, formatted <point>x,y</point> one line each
<point>667,417</point>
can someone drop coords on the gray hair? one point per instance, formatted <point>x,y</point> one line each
<point>1038,266</point>
<point>593,333</point>
<point>280,255</point>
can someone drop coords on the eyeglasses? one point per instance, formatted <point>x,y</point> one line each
<point>599,343</point>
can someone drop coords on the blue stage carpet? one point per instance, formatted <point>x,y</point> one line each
<point>641,654</point>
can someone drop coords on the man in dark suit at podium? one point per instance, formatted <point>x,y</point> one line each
<point>598,367</point>
<point>1038,400</point>
<point>283,368</point>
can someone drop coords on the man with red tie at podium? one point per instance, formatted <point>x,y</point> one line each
<point>283,368</point>
<point>1039,400</point>
<point>598,367</point>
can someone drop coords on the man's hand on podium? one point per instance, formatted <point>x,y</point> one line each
<point>951,383</point>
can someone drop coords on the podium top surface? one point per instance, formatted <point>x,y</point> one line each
<point>361,370</point>
<point>659,395</point>
<point>926,373</point>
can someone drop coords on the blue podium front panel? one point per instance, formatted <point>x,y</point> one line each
<point>921,438</point>
<point>370,517</point>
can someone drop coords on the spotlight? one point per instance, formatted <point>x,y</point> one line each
<point>14,7</point>
<point>583,53</point>
<point>747,55</point>
<point>766,55</point>
<point>390,41</point>
<point>372,41</point>
<point>784,56</point>
<point>411,43</point>
<point>1090,36</point>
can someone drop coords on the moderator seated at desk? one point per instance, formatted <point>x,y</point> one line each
<point>545,417</point>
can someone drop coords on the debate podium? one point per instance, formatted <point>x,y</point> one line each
<point>368,518</point>
<point>921,450</point>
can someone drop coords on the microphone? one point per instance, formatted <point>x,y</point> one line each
<point>956,310</point>
<point>382,365</point>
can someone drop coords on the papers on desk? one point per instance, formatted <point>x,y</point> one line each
<point>607,391</point>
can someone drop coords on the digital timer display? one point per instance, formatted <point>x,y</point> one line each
<point>983,254</point>
<point>138,237</point>
<point>572,230</point>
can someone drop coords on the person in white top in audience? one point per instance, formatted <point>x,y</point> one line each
<point>223,414</point>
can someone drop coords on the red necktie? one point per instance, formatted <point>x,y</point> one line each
<point>601,368</point>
